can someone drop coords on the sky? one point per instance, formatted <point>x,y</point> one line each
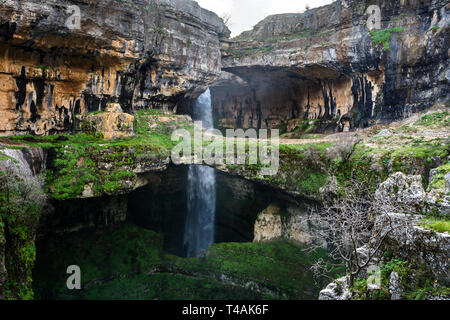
<point>246,13</point>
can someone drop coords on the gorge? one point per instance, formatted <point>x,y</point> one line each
<point>87,178</point>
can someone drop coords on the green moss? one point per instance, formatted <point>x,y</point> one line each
<point>159,30</point>
<point>280,266</point>
<point>126,262</point>
<point>374,160</point>
<point>240,53</point>
<point>4,157</point>
<point>113,252</point>
<point>304,127</point>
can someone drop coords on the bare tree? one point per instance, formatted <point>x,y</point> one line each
<point>348,224</point>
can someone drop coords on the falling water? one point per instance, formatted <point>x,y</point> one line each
<point>201,193</point>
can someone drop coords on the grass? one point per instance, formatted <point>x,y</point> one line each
<point>240,53</point>
<point>168,286</point>
<point>383,37</point>
<point>127,262</point>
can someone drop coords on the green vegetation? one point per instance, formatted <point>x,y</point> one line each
<point>267,45</point>
<point>167,286</point>
<point>127,262</point>
<point>373,161</point>
<point>159,30</point>
<point>304,33</point>
<point>302,129</point>
<point>305,168</point>
<point>43,67</point>
<point>383,37</point>
<point>438,224</point>
<point>434,28</point>
<point>302,169</point>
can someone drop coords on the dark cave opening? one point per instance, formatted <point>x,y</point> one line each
<point>161,206</point>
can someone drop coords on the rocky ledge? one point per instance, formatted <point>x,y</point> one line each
<point>331,67</point>
<point>63,59</point>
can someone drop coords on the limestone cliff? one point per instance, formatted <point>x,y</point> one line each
<point>325,64</point>
<point>61,59</point>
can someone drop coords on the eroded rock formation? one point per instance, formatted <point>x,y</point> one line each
<point>60,59</point>
<point>326,64</point>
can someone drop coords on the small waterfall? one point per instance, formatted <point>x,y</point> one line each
<point>201,193</point>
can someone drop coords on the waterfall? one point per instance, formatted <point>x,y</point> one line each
<point>201,192</point>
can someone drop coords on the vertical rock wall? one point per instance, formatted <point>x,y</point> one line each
<point>142,54</point>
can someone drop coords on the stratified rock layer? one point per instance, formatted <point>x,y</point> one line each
<point>142,54</point>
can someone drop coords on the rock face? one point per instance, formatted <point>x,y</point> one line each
<point>336,290</point>
<point>61,59</point>
<point>419,245</point>
<point>326,65</point>
<point>73,215</point>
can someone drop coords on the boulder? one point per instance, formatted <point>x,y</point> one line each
<point>111,124</point>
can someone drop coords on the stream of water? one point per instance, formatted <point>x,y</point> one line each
<point>201,193</point>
